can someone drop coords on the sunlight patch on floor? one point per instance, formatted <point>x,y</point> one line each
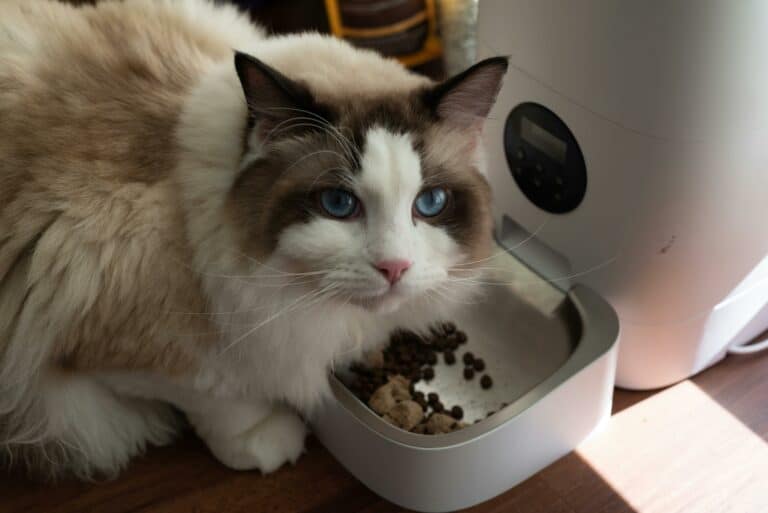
<point>680,451</point>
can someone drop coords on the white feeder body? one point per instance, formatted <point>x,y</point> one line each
<point>668,104</point>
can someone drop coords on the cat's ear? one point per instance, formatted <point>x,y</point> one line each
<point>467,98</point>
<point>269,93</point>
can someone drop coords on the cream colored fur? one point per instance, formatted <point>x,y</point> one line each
<point>122,288</point>
<point>94,261</point>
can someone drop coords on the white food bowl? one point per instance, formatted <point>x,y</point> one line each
<point>552,357</point>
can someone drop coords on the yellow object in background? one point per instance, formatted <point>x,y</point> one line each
<point>405,29</point>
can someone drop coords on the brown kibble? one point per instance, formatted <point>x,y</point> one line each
<point>388,395</point>
<point>386,379</point>
<point>439,423</point>
<point>389,420</point>
<point>400,385</point>
<point>382,401</point>
<point>406,415</point>
<point>486,381</point>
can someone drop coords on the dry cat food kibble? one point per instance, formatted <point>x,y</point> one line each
<point>386,383</point>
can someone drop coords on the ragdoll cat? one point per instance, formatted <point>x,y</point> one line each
<point>197,217</point>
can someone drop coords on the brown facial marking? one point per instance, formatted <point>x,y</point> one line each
<point>269,199</point>
<point>280,189</point>
<point>467,218</point>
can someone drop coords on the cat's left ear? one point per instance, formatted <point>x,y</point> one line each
<point>466,99</point>
<point>269,93</point>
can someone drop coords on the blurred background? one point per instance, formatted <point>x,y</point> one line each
<point>433,37</point>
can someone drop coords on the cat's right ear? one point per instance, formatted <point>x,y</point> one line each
<point>466,99</point>
<point>269,93</point>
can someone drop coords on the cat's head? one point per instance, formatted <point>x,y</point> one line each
<point>377,198</point>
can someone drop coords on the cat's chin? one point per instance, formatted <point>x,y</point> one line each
<point>383,304</point>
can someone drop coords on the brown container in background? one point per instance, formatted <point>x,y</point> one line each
<point>405,29</point>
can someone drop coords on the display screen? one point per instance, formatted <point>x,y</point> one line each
<point>543,140</point>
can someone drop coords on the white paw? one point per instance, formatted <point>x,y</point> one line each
<point>266,446</point>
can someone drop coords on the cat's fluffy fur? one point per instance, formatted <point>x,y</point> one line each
<point>160,242</point>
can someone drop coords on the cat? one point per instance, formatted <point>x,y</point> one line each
<point>197,217</point>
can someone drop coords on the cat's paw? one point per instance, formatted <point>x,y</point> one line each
<point>266,446</point>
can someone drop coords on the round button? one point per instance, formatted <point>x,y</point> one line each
<point>539,168</point>
<point>520,154</point>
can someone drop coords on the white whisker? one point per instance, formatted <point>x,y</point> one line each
<point>343,139</point>
<point>507,250</point>
<point>537,281</point>
<point>291,307</point>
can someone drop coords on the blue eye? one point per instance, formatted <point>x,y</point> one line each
<point>339,203</point>
<point>431,202</point>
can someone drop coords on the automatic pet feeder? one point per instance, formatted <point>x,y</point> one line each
<point>628,159</point>
<point>631,142</point>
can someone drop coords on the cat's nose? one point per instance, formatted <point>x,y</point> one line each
<point>392,269</point>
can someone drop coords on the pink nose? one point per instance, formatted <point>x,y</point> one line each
<point>392,269</point>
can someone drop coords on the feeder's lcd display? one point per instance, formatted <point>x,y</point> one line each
<point>543,140</point>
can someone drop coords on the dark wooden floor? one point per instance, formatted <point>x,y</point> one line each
<point>638,463</point>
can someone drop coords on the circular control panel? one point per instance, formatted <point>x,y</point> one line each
<point>544,158</point>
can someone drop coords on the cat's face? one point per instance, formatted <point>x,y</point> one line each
<point>377,200</point>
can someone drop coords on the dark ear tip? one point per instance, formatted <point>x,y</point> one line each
<point>245,62</point>
<point>501,61</point>
<point>241,59</point>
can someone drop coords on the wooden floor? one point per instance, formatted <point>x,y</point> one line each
<point>700,446</point>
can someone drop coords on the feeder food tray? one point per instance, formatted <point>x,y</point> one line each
<point>551,355</point>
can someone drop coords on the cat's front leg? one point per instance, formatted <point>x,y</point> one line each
<point>250,435</point>
<point>243,434</point>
